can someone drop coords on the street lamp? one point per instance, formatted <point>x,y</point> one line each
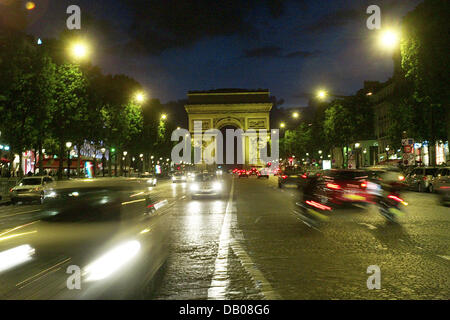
<point>139,97</point>
<point>295,115</point>
<point>322,94</point>
<point>282,125</point>
<point>79,50</point>
<point>163,116</point>
<point>389,39</point>
<point>68,145</point>
<point>124,159</point>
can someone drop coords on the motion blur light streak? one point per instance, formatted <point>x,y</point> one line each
<point>17,235</point>
<point>13,257</point>
<point>112,261</point>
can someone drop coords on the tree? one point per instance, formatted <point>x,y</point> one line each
<point>69,110</point>
<point>424,59</point>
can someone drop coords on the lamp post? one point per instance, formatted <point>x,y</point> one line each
<point>68,145</point>
<point>103,150</point>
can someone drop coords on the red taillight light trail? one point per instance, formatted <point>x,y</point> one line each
<point>318,205</point>
<point>304,176</point>
<point>333,186</point>
<point>395,198</point>
<point>284,176</point>
<point>363,185</point>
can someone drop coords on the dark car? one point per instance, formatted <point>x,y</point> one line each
<point>339,186</point>
<point>289,176</point>
<point>110,236</point>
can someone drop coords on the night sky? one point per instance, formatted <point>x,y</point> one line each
<point>288,47</point>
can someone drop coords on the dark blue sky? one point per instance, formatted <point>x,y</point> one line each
<point>289,47</point>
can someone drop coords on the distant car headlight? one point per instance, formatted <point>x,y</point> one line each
<point>112,261</point>
<point>154,181</point>
<point>15,256</point>
<point>194,187</point>
<point>217,186</point>
<point>173,178</point>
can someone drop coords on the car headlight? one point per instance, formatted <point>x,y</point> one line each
<point>194,187</point>
<point>217,186</point>
<point>173,178</point>
<point>112,261</point>
<point>154,181</point>
<point>50,194</point>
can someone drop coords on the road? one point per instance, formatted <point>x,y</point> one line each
<point>248,245</point>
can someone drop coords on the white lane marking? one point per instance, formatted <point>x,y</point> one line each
<point>444,257</point>
<point>220,280</point>
<point>368,225</point>
<point>19,213</point>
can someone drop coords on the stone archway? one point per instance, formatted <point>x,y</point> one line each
<point>242,109</point>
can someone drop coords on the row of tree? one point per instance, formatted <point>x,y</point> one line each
<point>419,106</point>
<point>47,100</point>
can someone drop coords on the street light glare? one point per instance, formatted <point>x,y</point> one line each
<point>79,50</point>
<point>140,97</point>
<point>321,94</point>
<point>163,116</point>
<point>295,115</point>
<point>389,39</point>
<point>282,125</point>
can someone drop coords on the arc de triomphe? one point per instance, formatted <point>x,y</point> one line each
<point>224,108</point>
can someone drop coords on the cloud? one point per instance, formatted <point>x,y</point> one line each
<point>334,19</point>
<point>159,25</point>
<point>263,52</point>
<point>303,54</point>
<point>276,52</point>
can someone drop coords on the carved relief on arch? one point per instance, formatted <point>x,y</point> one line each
<point>219,123</point>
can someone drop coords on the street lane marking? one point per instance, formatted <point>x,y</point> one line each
<point>368,225</point>
<point>19,213</point>
<point>444,257</point>
<point>220,279</point>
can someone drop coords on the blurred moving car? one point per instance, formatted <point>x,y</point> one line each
<point>106,236</point>
<point>150,178</point>
<point>206,184</point>
<point>179,177</point>
<point>420,178</point>
<point>441,184</point>
<point>339,186</point>
<point>31,189</point>
<point>243,173</point>
<point>289,176</point>
<point>264,173</point>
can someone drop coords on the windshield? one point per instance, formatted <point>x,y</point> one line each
<point>30,182</point>
<point>204,177</point>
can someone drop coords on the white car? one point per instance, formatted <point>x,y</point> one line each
<point>149,178</point>
<point>31,189</point>
<point>179,177</point>
<point>206,184</point>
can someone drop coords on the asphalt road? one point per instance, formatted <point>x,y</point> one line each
<point>247,244</point>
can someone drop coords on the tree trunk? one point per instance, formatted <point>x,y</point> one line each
<point>20,173</point>
<point>61,160</point>
<point>41,158</point>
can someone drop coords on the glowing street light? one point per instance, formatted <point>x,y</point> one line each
<point>139,97</point>
<point>282,125</point>
<point>79,50</point>
<point>321,94</point>
<point>295,115</point>
<point>389,39</point>
<point>163,116</point>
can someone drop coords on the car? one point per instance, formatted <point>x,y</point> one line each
<point>243,173</point>
<point>420,178</point>
<point>113,231</point>
<point>264,173</point>
<point>441,185</point>
<point>149,178</point>
<point>32,188</point>
<point>206,184</point>
<point>179,177</point>
<point>344,186</point>
<point>289,176</point>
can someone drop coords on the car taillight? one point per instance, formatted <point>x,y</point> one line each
<point>363,185</point>
<point>284,176</point>
<point>10,190</point>
<point>391,196</point>
<point>401,178</point>
<point>425,178</point>
<point>333,186</point>
<point>318,205</point>
<point>304,176</point>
